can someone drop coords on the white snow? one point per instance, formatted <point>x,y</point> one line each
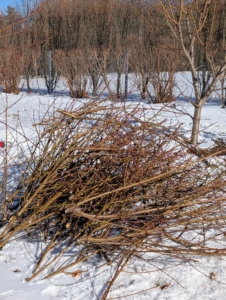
<point>151,276</point>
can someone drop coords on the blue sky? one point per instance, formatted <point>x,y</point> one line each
<point>5,3</point>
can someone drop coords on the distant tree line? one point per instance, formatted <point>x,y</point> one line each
<point>90,38</point>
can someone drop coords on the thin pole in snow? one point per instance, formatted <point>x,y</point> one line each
<point>50,73</point>
<point>126,75</point>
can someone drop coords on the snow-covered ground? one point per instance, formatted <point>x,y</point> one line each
<point>151,276</point>
<point>154,277</point>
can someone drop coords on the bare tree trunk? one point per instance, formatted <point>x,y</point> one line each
<point>144,90</point>
<point>196,124</point>
<point>95,80</point>
<point>118,85</point>
<point>222,93</point>
<point>27,78</point>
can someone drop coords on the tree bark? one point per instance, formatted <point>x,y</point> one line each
<point>196,124</point>
<point>95,79</point>
<point>118,85</point>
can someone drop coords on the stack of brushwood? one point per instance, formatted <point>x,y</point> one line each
<point>109,181</point>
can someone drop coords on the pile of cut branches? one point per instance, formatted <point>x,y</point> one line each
<point>105,179</point>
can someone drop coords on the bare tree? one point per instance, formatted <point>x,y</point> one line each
<point>193,23</point>
<point>123,25</point>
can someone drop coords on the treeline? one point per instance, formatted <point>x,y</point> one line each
<point>90,38</point>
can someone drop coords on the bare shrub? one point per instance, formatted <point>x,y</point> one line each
<point>71,65</point>
<point>162,77</point>
<point>163,83</point>
<point>155,69</point>
<point>11,65</point>
<point>102,178</point>
<point>98,65</point>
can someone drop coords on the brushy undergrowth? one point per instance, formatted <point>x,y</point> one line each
<point>107,179</point>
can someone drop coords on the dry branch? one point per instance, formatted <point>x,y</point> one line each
<point>111,183</point>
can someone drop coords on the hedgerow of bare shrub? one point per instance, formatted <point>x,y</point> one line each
<point>107,179</point>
